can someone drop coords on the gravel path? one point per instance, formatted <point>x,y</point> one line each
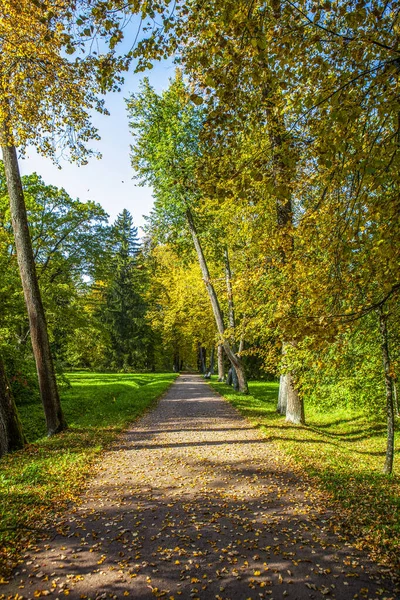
<point>191,504</point>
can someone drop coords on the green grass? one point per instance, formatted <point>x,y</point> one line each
<point>38,481</point>
<point>343,453</point>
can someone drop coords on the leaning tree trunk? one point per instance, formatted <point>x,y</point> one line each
<point>388,467</point>
<point>37,319</point>
<point>11,434</point>
<point>235,360</point>
<point>233,379</point>
<point>221,368</point>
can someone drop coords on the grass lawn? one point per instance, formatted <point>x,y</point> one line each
<point>35,483</point>
<point>343,451</point>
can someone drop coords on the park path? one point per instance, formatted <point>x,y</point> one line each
<point>193,503</point>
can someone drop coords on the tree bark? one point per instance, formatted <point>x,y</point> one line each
<point>283,394</point>
<point>294,407</point>
<point>203,360</point>
<point>235,360</point>
<point>228,279</point>
<point>211,369</point>
<point>395,399</point>
<point>176,362</point>
<point>37,319</point>
<point>388,466</point>
<point>11,434</point>
<point>221,368</point>
<point>234,379</point>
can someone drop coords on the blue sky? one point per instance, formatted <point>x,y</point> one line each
<point>107,181</point>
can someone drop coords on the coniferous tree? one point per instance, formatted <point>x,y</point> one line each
<point>124,311</point>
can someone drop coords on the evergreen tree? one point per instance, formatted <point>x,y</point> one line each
<point>124,311</point>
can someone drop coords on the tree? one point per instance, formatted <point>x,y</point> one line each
<point>165,154</point>
<point>38,327</point>
<point>44,100</point>
<point>178,308</point>
<point>66,241</point>
<point>124,309</point>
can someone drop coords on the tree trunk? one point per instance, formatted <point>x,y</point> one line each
<point>235,360</point>
<point>283,394</point>
<point>37,320</point>
<point>228,279</point>
<point>295,406</point>
<point>203,360</point>
<point>395,399</point>
<point>221,368</point>
<point>176,362</point>
<point>211,369</point>
<point>11,434</point>
<point>283,176</point>
<point>388,467</point>
<point>201,363</point>
<point>235,380</point>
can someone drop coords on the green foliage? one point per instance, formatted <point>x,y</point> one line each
<point>91,280</point>
<point>166,150</point>
<point>299,175</point>
<point>178,309</point>
<point>124,308</point>
<point>68,237</point>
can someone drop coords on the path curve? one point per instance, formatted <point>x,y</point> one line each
<point>191,504</point>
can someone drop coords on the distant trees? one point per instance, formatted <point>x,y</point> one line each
<point>124,309</point>
<point>179,311</point>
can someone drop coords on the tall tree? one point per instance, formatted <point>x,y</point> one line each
<point>44,100</point>
<point>166,151</point>
<point>37,320</point>
<point>125,308</point>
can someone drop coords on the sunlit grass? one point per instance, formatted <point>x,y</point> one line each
<point>35,483</point>
<point>343,450</point>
